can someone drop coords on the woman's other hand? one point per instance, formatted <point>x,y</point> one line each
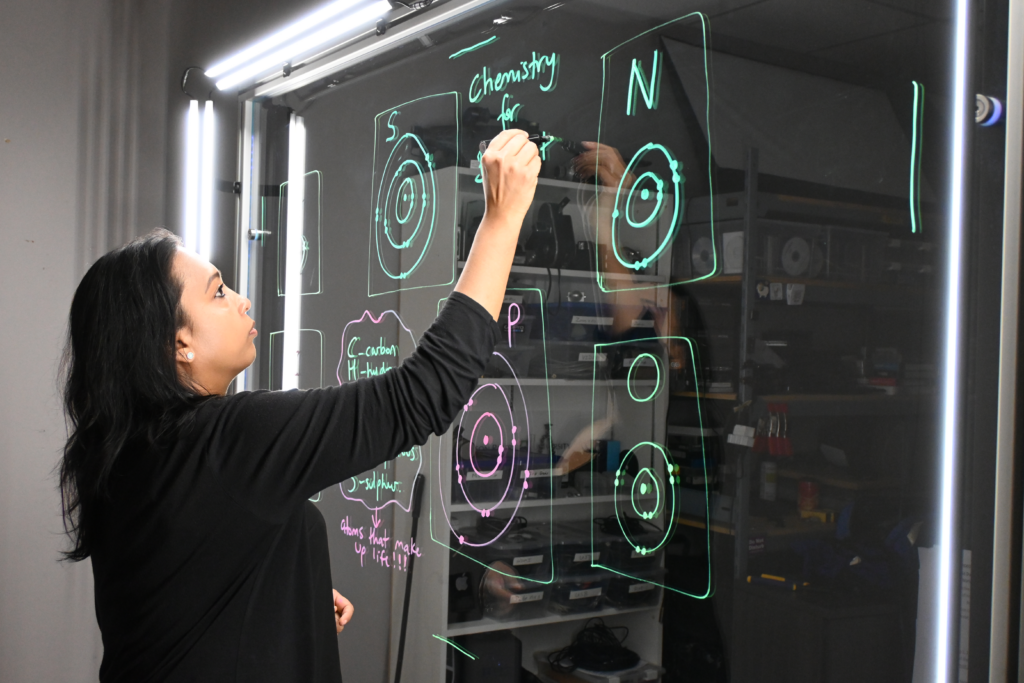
<point>603,162</point>
<point>343,611</point>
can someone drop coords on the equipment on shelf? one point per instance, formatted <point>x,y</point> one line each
<point>497,658</point>
<point>595,648</point>
<point>552,243</point>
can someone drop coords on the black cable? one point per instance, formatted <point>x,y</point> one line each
<point>595,648</point>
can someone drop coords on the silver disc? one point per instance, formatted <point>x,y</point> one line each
<point>796,256</point>
<point>703,256</point>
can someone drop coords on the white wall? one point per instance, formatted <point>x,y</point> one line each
<point>72,158</point>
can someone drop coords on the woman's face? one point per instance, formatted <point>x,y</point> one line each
<point>220,334</point>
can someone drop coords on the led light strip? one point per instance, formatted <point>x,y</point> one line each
<point>947,551</point>
<point>258,62</point>
<point>444,14</point>
<point>296,198</point>
<point>282,36</point>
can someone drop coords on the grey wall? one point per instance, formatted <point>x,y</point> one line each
<point>82,162</point>
<point>47,627</point>
<point>91,106</point>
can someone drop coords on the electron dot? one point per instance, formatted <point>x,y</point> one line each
<point>674,164</point>
<point>645,193</point>
<point>513,442</point>
<point>486,439</point>
<point>470,401</point>
<point>501,449</point>
<point>643,489</point>
<point>462,539</point>
<point>526,485</point>
<point>526,474</point>
<point>513,430</point>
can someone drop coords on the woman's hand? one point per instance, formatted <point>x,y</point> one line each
<point>509,168</point>
<point>343,611</point>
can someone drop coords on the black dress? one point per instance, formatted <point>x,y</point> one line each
<point>208,567</point>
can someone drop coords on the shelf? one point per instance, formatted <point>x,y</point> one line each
<point>698,523</point>
<point>582,274</point>
<point>812,405</point>
<point>544,502</point>
<point>486,625</point>
<point>792,525</point>
<point>841,480</point>
<point>567,185</point>
<point>540,382</point>
<point>831,292</point>
<point>710,397</point>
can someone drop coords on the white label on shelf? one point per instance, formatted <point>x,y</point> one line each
<point>591,320</point>
<point>527,559</point>
<point>643,323</point>
<point>586,557</point>
<point>641,587</point>
<point>636,554</point>
<point>473,476</point>
<point>587,593</point>
<point>599,357</point>
<point>546,472</point>
<point>526,597</point>
<point>512,299</point>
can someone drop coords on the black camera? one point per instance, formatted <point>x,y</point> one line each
<point>551,244</point>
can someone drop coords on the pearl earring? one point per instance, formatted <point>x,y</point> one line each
<point>190,355</point>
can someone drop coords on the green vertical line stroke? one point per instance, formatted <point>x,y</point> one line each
<point>915,158</point>
<point>445,640</point>
<point>471,48</point>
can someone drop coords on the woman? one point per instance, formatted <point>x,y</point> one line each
<point>208,564</point>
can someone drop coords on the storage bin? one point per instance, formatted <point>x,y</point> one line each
<point>508,598</point>
<point>640,590</point>
<point>526,551</point>
<point>575,594</point>
<point>571,550</point>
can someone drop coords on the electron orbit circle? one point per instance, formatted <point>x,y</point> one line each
<point>626,197</point>
<point>406,197</point>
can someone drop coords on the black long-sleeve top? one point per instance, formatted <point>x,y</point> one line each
<point>209,567</point>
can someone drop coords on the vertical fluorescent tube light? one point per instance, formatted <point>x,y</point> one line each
<point>296,196</point>
<point>191,228</point>
<point>206,182</point>
<point>947,552</point>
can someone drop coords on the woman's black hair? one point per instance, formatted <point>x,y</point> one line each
<point>120,380</point>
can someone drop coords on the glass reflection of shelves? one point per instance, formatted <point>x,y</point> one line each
<point>790,525</point>
<point>710,397</point>
<point>540,382</point>
<point>485,625</point>
<point>561,185</point>
<point>584,274</point>
<point>849,404</point>
<point>544,502</point>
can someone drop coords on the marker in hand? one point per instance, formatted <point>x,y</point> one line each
<point>535,139</point>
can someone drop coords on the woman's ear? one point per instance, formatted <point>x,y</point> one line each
<point>184,353</point>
